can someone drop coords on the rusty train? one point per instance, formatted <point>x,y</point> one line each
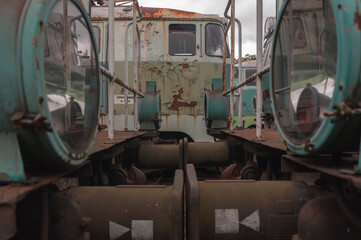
<point>118,122</point>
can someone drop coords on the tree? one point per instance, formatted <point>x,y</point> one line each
<point>248,57</point>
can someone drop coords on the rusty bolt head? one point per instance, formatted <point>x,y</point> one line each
<point>340,86</point>
<point>41,99</point>
<point>339,5</point>
<point>84,221</point>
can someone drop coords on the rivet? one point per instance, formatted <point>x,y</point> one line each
<point>340,86</point>
<point>339,5</point>
<point>41,99</point>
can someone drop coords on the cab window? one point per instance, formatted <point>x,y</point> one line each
<point>214,40</point>
<point>182,39</point>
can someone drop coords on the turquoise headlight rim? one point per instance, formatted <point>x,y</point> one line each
<point>348,39</point>
<point>31,55</point>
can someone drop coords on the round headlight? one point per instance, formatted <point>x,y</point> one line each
<point>314,70</point>
<point>55,82</point>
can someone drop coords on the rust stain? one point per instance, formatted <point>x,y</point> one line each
<point>162,14</point>
<point>357,18</point>
<point>177,104</point>
<point>178,119</point>
<point>185,65</point>
<point>156,70</point>
<point>122,91</point>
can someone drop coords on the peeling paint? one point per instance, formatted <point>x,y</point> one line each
<point>177,103</point>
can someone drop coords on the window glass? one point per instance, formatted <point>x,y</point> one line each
<point>304,69</point>
<point>182,39</point>
<point>71,76</point>
<point>214,40</point>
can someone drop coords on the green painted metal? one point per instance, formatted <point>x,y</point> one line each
<point>150,108</point>
<point>216,106</point>
<point>23,97</point>
<point>339,135</point>
<point>11,163</point>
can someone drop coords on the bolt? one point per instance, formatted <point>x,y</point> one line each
<point>340,86</point>
<point>41,99</point>
<point>339,5</point>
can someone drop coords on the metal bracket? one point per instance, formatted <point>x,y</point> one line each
<point>35,121</point>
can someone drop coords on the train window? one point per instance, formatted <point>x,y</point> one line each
<point>248,73</point>
<point>70,76</point>
<point>182,39</point>
<point>96,31</point>
<point>304,69</point>
<point>214,40</point>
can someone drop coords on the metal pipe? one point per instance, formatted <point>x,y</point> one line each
<point>240,73</point>
<point>135,64</point>
<point>225,48</point>
<point>111,70</point>
<point>201,40</point>
<point>251,78</point>
<point>139,62</point>
<point>231,112</point>
<point>126,74</point>
<point>259,67</point>
<point>106,73</point>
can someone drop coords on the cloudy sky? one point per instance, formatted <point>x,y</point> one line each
<point>245,12</point>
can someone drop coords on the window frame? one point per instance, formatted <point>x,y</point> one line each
<point>180,31</point>
<point>205,40</point>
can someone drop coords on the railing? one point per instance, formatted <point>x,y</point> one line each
<point>115,79</point>
<point>137,16</point>
<point>257,76</point>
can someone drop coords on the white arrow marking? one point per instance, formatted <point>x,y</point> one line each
<point>226,221</point>
<point>116,230</point>
<point>252,221</point>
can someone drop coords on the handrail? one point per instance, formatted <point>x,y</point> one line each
<point>114,78</point>
<point>134,22</point>
<point>251,78</point>
<point>240,75</point>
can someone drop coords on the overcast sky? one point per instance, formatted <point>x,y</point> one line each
<point>245,12</point>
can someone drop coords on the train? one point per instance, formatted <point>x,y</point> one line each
<point>182,148</point>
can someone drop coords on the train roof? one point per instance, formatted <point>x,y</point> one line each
<point>123,13</point>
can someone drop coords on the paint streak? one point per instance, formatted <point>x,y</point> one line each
<point>357,18</point>
<point>177,104</point>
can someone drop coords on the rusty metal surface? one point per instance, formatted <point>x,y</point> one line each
<point>270,138</point>
<point>15,192</point>
<point>247,209</point>
<point>326,164</point>
<point>102,144</point>
<point>140,212</point>
<point>155,14</point>
<point>192,211</point>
